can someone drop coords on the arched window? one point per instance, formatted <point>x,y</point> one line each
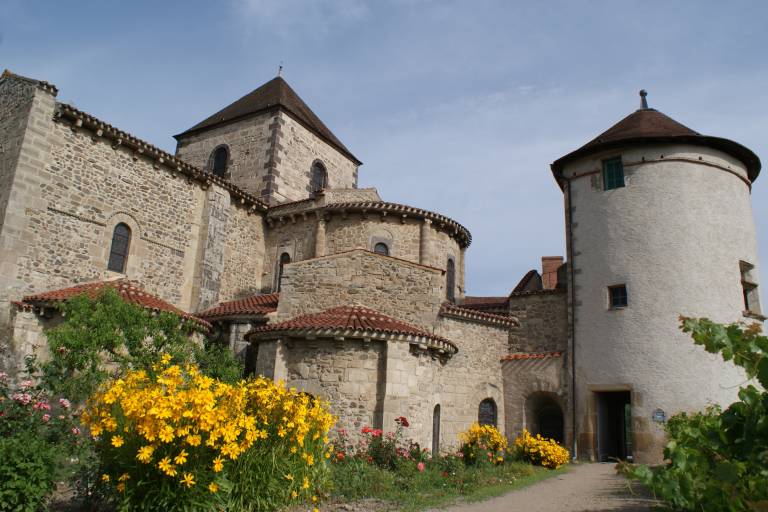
<point>285,258</point>
<point>436,430</point>
<point>381,248</point>
<point>486,413</point>
<point>219,161</point>
<point>318,178</point>
<point>118,252</point>
<point>450,280</point>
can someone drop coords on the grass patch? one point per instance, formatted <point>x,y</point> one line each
<point>436,486</point>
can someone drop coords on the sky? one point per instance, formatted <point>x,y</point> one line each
<point>453,106</point>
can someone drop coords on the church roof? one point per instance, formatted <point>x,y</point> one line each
<point>648,125</point>
<point>521,356</point>
<point>357,321</point>
<point>130,291</point>
<point>272,95</point>
<point>248,306</point>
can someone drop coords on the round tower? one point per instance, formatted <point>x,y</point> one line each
<point>658,224</point>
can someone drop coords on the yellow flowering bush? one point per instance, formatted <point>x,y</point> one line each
<point>482,443</point>
<point>541,451</point>
<point>176,439</point>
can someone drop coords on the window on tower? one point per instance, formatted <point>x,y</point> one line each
<point>450,280</point>
<point>613,173</point>
<point>318,178</point>
<point>118,251</point>
<point>617,296</point>
<point>381,248</point>
<point>219,161</point>
<point>749,288</point>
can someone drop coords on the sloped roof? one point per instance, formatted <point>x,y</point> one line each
<point>478,315</point>
<point>650,125</point>
<point>274,94</point>
<point>130,291</point>
<point>248,306</point>
<point>354,320</point>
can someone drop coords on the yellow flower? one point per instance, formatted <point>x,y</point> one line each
<point>121,487</point>
<point>105,477</point>
<point>145,454</point>
<point>124,477</point>
<point>188,480</point>
<point>166,466</point>
<point>218,464</point>
<point>166,358</point>
<point>213,487</point>
<point>305,485</point>
<point>117,441</point>
<point>294,495</point>
<point>181,458</point>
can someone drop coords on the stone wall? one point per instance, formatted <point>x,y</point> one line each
<point>524,381</point>
<point>401,289</point>
<point>244,248</point>
<point>472,375</point>
<point>543,319</point>
<point>250,145</point>
<point>297,149</point>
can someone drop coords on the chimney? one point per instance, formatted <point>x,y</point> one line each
<point>549,267</point>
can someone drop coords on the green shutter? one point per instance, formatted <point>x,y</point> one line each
<point>613,173</point>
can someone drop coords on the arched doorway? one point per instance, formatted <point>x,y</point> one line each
<point>544,416</point>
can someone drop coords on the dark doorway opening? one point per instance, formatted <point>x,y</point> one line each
<point>614,426</point>
<point>544,416</point>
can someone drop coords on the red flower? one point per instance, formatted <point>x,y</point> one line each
<point>366,430</point>
<point>402,421</point>
<point>377,432</point>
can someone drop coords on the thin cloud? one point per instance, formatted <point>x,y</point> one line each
<point>299,18</point>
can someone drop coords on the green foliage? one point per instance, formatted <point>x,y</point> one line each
<point>38,439</point>
<point>106,336</point>
<point>718,460</point>
<point>219,362</point>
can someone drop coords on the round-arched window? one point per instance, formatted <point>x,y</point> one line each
<point>487,412</point>
<point>318,178</point>
<point>220,159</point>
<point>118,251</point>
<point>381,248</point>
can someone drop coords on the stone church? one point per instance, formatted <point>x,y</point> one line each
<point>255,231</point>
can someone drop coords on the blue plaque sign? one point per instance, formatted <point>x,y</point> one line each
<point>659,416</point>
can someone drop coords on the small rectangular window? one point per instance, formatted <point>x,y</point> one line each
<point>749,288</point>
<point>617,296</point>
<point>613,173</point>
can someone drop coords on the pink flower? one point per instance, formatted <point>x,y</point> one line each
<point>420,465</point>
<point>23,398</point>
<point>64,403</point>
<point>26,384</point>
<point>46,418</point>
<point>377,432</point>
<point>76,431</point>
<point>42,406</point>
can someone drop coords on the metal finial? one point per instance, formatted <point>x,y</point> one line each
<point>643,101</point>
<point>280,69</point>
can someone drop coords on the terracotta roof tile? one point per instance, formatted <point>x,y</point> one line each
<point>352,318</point>
<point>530,355</point>
<point>248,306</point>
<point>452,310</point>
<point>131,291</point>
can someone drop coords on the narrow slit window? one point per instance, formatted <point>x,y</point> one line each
<point>118,251</point>
<point>285,259</point>
<point>487,413</point>
<point>617,296</point>
<point>613,173</point>
<point>450,280</point>
<point>318,178</point>
<point>749,288</point>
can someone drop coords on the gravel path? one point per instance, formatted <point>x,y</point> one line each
<point>585,487</point>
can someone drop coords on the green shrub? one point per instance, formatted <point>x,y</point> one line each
<point>37,440</point>
<point>718,460</point>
